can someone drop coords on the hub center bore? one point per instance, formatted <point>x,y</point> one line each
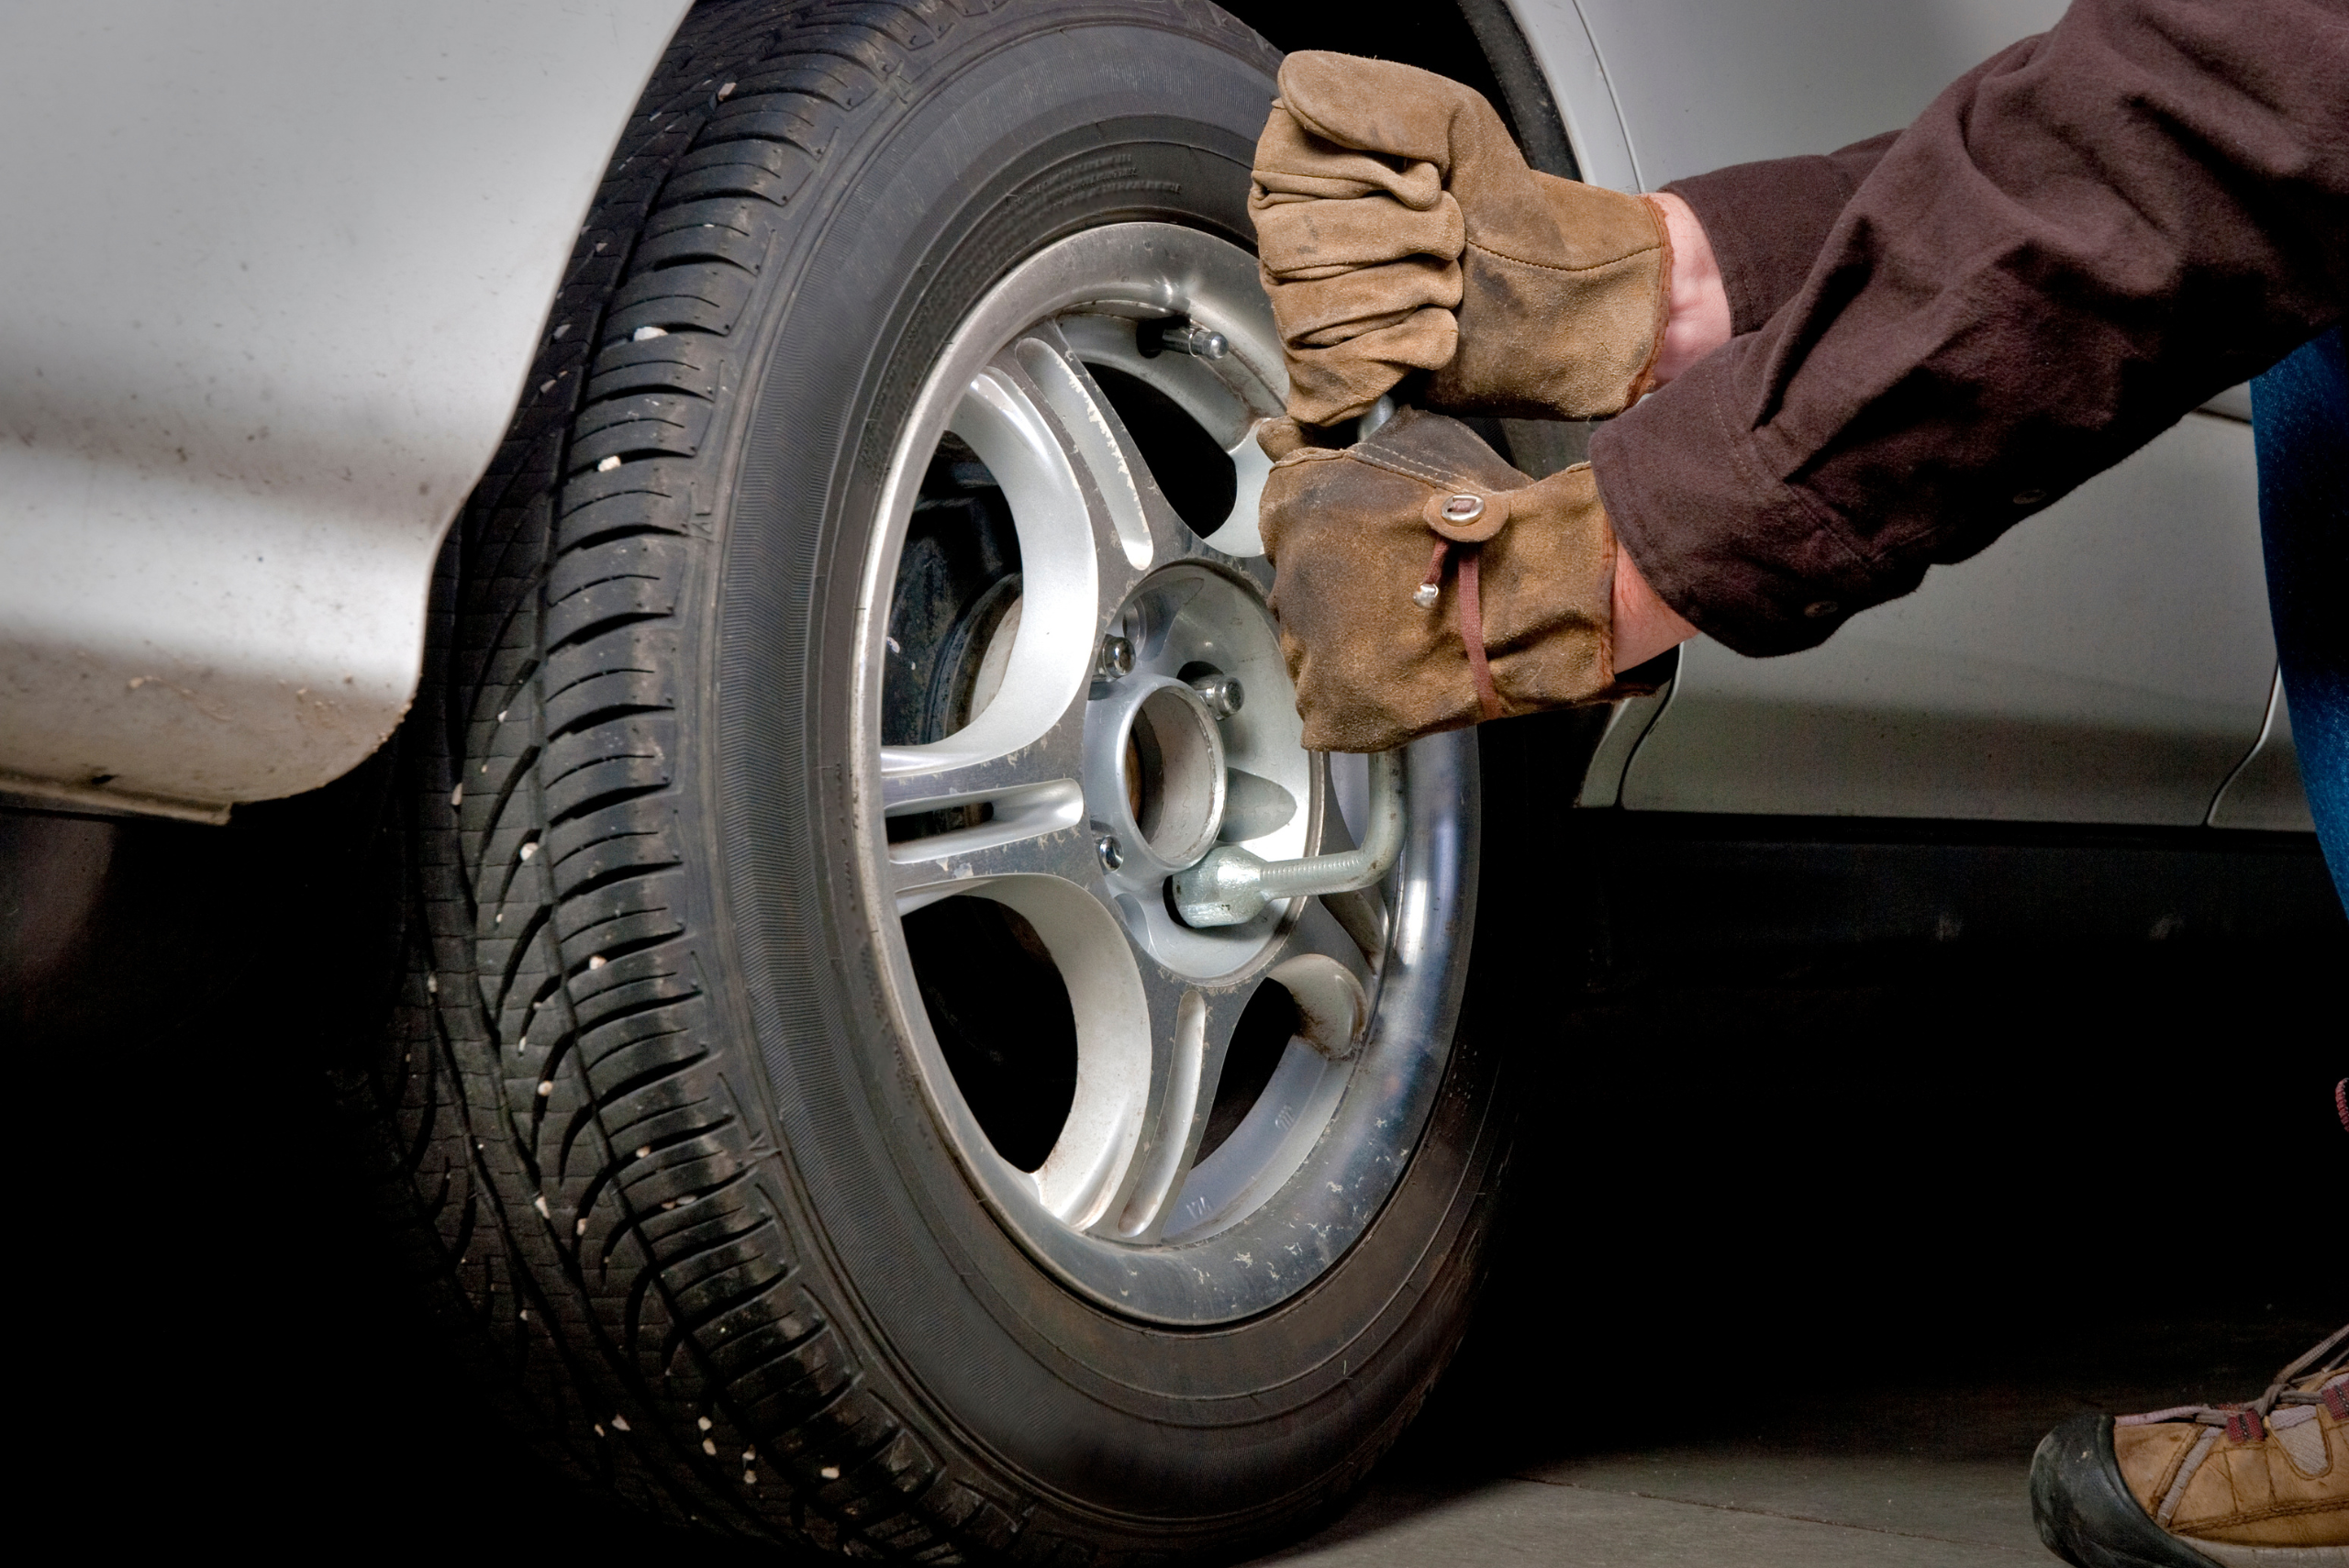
<point>1154,779</point>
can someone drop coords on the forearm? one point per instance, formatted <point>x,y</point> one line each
<point>1734,263</point>
<point>2077,243</point>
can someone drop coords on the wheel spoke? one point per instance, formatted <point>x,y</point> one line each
<point>1228,403</point>
<point>1146,527</point>
<point>1034,829</point>
<point>963,770</point>
<point>1191,1030</point>
<point>1061,607</point>
<point>978,816</point>
<point>1328,981</point>
<point>1001,796</point>
<point>958,810</point>
<point>967,806</point>
<point>1211,402</point>
<point>1321,932</point>
<point>1110,997</point>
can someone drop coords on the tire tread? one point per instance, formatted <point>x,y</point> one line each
<point>590,1181</point>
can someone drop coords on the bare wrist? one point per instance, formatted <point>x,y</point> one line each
<point>1644,625</point>
<point>1697,319</point>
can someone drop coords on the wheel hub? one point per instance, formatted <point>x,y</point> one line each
<point>1153,779</point>
<point>1176,762</point>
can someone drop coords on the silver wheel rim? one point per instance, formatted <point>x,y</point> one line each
<point>1123,1208</point>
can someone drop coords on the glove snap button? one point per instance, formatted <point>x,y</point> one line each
<point>1466,517</point>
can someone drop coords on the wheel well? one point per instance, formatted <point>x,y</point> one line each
<point>1476,41</point>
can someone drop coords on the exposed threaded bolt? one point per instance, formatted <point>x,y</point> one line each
<point>1222,693</point>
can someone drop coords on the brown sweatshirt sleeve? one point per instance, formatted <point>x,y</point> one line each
<point>1767,221</point>
<point>2079,241</point>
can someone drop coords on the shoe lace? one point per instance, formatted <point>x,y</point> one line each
<point>2248,1421</point>
<point>2329,1356</point>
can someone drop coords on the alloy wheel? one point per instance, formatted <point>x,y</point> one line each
<point>1071,687</point>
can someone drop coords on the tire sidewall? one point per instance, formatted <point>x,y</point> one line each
<point>1025,127</point>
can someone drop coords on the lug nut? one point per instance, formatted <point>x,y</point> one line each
<point>1112,857</point>
<point>1116,660</point>
<point>1222,693</point>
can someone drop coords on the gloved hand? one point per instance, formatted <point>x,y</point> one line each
<point>1422,583</point>
<point>1400,229</point>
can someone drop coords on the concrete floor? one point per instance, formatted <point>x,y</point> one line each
<point>1907,1472</point>
<point>1721,1509</point>
<point>1918,1478</point>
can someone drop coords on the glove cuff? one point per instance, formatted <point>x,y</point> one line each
<point>1424,584</point>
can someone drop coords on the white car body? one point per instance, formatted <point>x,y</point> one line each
<point>276,271</point>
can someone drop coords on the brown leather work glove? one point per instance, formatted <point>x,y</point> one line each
<point>1422,583</point>
<point>1400,229</point>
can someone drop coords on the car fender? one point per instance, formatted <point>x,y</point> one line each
<point>275,272</point>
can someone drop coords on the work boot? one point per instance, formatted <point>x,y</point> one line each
<point>1422,583</point>
<point>1400,229</point>
<point>2206,1486</point>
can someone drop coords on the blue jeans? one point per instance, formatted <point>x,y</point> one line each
<point>2299,420</point>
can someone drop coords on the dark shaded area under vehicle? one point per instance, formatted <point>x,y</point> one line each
<point>1781,1115</point>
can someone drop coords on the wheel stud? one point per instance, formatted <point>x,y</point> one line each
<point>1116,660</point>
<point>1112,857</point>
<point>1191,339</point>
<point>1179,335</point>
<point>1222,693</point>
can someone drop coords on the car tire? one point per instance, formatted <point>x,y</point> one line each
<point>756,1020</point>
